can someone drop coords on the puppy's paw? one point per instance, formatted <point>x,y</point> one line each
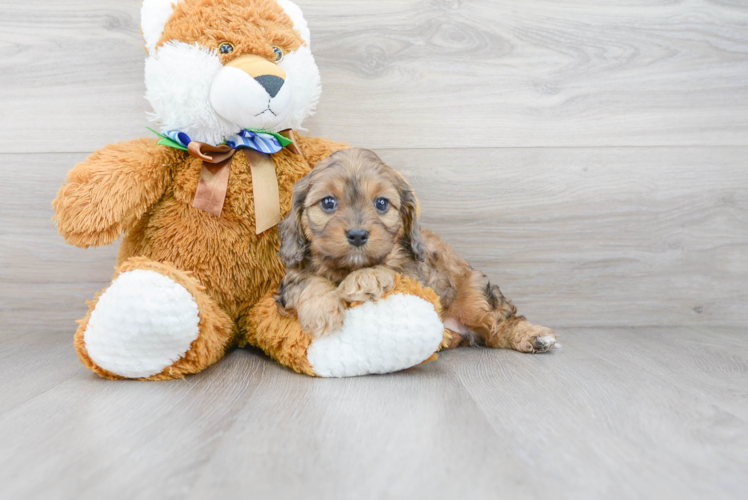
<point>533,338</point>
<point>321,316</point>
<point>370,283</point>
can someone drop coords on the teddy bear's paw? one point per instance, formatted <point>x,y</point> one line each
<point>393,334</point>
<point>143,323</point>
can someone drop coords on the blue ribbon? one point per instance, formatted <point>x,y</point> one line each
<point>264,143</point>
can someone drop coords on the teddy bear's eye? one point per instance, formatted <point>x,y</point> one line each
<point>278,53</point>
<point>226,48</point>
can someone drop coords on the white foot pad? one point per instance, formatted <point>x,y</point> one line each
<point>383,337</point>
<point>142,323</point>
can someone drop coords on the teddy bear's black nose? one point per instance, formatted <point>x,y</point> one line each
<point>271,83</point>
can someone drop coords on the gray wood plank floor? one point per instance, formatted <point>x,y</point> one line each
<point>616,413</point>
<point>589,156</point>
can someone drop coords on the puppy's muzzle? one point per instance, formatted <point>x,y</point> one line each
<point>357,237</point>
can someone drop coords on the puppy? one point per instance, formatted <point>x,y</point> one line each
<point>353,227</point>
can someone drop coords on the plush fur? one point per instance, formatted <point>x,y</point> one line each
<point>120,339</point>
<point>354,228</point>
<point>146,191</point>
<point>192,90</point>
<point>190,68</point>
<point>299,23</point>
<point>154,15</point>
<point>188,283</point>
<point>216,328</point>
<point>283,338</point>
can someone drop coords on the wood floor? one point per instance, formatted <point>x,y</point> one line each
<point>591,157</point>
<point>616,413</point>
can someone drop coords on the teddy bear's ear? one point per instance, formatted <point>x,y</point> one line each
<point>153,18</point>
<point>299,23</point>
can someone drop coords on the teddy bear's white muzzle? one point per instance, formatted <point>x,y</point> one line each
<point>255,103</point>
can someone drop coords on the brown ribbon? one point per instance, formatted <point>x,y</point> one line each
<point>214,180</point>
<point>265,189</point>
<point>214,177</point>
<point>288,134</point>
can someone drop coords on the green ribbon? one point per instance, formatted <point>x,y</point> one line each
<point>165,141</point>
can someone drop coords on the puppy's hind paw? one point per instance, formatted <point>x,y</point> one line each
<point>533,339</point>
<point>544,344</point>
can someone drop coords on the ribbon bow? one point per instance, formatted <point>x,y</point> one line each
<point>257,146</point>
<point>260,140</point>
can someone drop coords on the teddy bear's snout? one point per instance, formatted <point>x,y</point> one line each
<point>252,92</point>
<point>269,75</point>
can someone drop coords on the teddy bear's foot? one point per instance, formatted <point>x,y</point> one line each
<point>379,337</point>
<point>399,331</point>
<point>152,322</point>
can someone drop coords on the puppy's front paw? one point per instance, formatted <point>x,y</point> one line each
<point>370,283</point>
<point>322,315</point>
<point>533,338</point>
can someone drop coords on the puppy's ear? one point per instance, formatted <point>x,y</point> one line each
<point>290,231</point>
<point>409,215</point>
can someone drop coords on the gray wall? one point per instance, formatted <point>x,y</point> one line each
<point>589,156</point>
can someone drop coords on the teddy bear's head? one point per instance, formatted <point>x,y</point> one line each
<point>216,67</point>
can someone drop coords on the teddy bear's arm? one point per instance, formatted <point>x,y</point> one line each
<point>316,149</point>
<point>111,190</point>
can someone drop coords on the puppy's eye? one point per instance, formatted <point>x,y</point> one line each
<point>329,204</point>
<point>226,48</point>
<point>278,53</point>
<point>382,204</point>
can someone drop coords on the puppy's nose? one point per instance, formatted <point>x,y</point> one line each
<point>271,83</point>
<point>357,237</point>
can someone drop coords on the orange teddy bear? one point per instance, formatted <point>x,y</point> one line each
<point>229,82</point>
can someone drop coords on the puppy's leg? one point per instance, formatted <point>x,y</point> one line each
<point>483,309</point>
<point>474,310</point>
<point>314,300</point>
<point>369,283</point>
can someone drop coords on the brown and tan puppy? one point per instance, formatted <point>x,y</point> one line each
<point>353,227</point>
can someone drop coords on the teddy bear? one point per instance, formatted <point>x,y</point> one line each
<point>230,83</point>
